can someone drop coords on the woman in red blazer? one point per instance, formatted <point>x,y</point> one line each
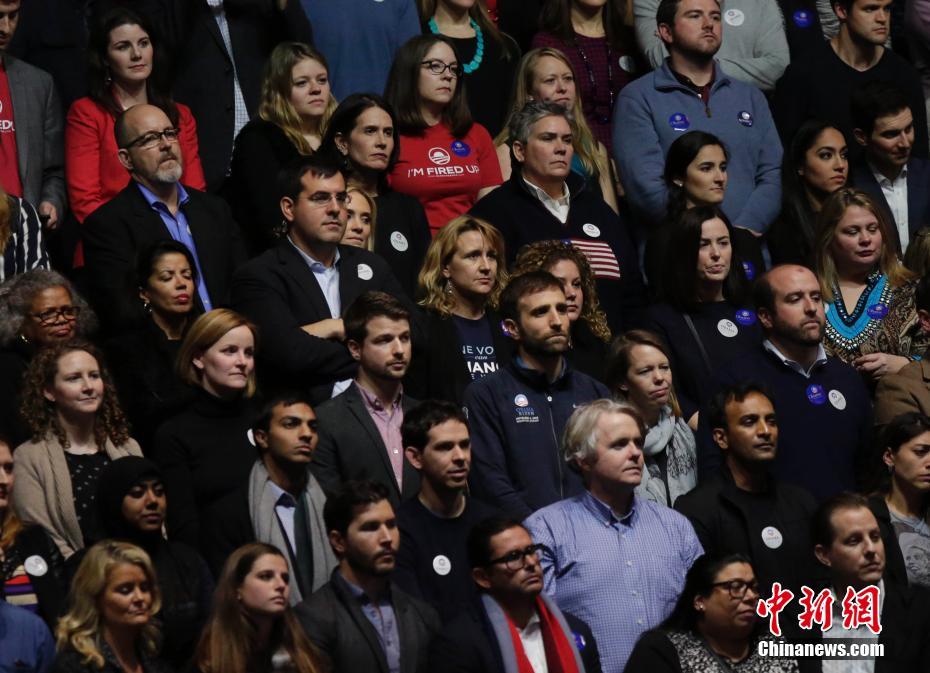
<point>125,69</point>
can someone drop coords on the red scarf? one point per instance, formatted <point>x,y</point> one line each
<point>559,655</point>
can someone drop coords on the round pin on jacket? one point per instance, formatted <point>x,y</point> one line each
<point>745,317</point>
<point>365,272</point>
<point>591,230</point>
<point>442,565</point>
<point>35,566</point>
<point>744,117</point>
<point>399,241</point>
<point>679,121</point>
<point>727,328</point>
<point>837,399</point>
<point>772,537</point>
<point>734,17</point>
<point>816,395</point>
<point>877,311</point>
<point>802,18</point>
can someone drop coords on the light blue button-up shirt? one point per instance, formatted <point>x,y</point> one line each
<point>382,617</point>
<point>621,575</point>
<point>327,277</point>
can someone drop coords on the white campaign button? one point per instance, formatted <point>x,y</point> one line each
<point>837,399</point>
<point>727,328</point>
<point>772,537</point>
<point>35,566</point>
<point>399,241</point>
<point>251,437</point>
<point>734,17</point>
<point>442,565</point>
<point>627,63</point>
<point>591,230</point>
<point>365,272</point>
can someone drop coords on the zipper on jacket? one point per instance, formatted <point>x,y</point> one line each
<point>555,439</point>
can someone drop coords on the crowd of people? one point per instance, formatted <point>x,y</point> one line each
<point>467,336</point>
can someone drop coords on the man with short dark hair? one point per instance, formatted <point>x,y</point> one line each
<point>297,291</point>
<point>513,622</point>
<point>516,414</point>
<point>883,124</point>
<point>360,620</point>
<point>432,563</point>
<point>545,200</point>
<point>820,86</point>
<point>360,429</point>
<point>822,402</point>
<point>282,503</point>
<point>155,206</point>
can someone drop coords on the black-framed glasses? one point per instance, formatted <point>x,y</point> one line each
<point>738,588</point>
<point>150,140</point>
<point>438,67</point>
<point>52,315</point>
<point>516,560</point>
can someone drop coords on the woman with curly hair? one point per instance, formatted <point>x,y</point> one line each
<point>77,426</point>
<point>296,104</point>
<point>460,284</point>
<point>109,626</point>
<point>589,331</point>
<point>252,628</point>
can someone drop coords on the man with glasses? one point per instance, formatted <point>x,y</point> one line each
<point>156,206</point>
<point>296,292</point>
<point>514,625</point>
<point>611,558</point>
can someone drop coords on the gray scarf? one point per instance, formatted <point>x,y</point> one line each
<point>672,435</point>
<point>267,529</point>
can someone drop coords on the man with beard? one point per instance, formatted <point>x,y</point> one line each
<point>155,206</point>
<point>822,403</point>
<point>514,622</point>
<point>517,414</point>
<point>691,92</point>
<point>360,429</point>
<point>359,619</point>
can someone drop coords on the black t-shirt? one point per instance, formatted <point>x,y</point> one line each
<point>477,346</point>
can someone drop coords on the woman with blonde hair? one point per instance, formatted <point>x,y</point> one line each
<point>868,294</point>
<point>363,213</point>
<point>206,450</point>
<point>589,331</point>
<point>546,75</point>
<point>296,104</point>
<point>77,426</point>
<point>460,284</point>
<point>109,627</point>
<point>252,628</point>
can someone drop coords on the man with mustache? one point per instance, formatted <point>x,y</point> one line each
<point>155,206</point>
<point>360,429</point>
<point>823,405</point>
<point>360,620</point>
<point>516,415</point>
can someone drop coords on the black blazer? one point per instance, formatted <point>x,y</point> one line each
<point>350,447</point>
<point>336,624</point>
<point>278,291</point>
<point>918,194</point>
<point>440,371</point>
<point>117,231</point>
<point>51,586</point>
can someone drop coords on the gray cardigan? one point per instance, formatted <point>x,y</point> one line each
<point>43,493</point>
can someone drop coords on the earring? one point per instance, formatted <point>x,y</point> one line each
<point>448,288</point>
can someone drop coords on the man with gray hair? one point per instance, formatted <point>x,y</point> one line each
<point>544,199</point>
<point>614,560</point>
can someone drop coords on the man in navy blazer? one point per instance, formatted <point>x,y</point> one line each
<point>296,292</point>
<point>897,180</point>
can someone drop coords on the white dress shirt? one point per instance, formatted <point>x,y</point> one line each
<point>895,192</point>
<point>558,207</point>
<point>860,633</point>
<point>533,645</point>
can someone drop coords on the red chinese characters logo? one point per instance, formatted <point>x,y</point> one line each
<point>860,608</point>
<point>772,607</point>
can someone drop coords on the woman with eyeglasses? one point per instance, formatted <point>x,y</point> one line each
<point>713,627</point>
<point>446,160</point>
<point>601,49</point>
<point>488,56</point>
<point>77,426</point>
<point>125,68</point>
<point>37,309</point>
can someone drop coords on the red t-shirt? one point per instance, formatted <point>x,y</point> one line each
<point>9,160</point>
<point>445,173</point>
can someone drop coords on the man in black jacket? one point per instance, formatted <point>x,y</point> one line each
<point>296,292</point>
<point>506,568</point>
<point>360,620</point>
<point>544,200</point>
<point>156,206</point>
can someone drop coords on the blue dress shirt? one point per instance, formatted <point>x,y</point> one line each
<point>381,615</point>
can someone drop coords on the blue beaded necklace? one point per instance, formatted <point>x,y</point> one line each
<point>475,63</point>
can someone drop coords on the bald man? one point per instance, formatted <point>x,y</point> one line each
<point>156,206</point>
<point>822,405</point>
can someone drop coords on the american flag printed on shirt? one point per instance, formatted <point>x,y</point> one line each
<point>602,259</point>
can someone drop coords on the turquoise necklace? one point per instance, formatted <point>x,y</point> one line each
<point>475,63</point>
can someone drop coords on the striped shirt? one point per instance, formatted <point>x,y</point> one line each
<point>620,575</point>
<point>25,247</point>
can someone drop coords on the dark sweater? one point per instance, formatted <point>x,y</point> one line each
<point>401,236</point>
<point>204,453</point>
<point>820,86</point>
<point>819,445</point>
<point>426,542</point>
